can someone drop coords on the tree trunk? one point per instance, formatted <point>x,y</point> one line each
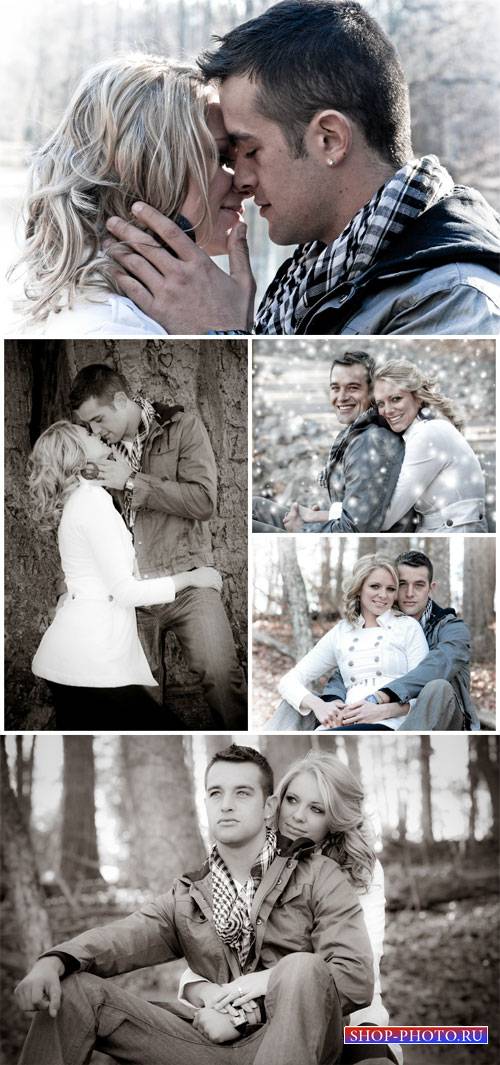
<point>391,546</point>
<point>438,550</point>
<point>281,752</point>
<point>479,595</point>
<point>487,752</point>
<point>351,746</point>
<point>79,852</point>
<point>24,775</point>
<point>294,591</point>
<point>426,791</point>
<point>21,877</point>
<point>159,803</point>
<point>473,782</point>
<point>339,571</point>
<point>325,588</point>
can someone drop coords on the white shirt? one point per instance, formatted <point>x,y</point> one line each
<point>93,640</point>
<point>97,313</point>
<point>440,475</point>
<point>368,659</point>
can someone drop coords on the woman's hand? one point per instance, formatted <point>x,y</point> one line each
<point>243,991</point>
<point>362,713</point>
<point>326,713</point>
<point>206,577</point>
<point>178,285</point>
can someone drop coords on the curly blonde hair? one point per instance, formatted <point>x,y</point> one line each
<point>135,129</point>
<point>349,840</point>
<point>353,585</point>
<point>54,465</point>
<point>425,389</point>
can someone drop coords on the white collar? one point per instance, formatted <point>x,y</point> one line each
<point>384,620</point>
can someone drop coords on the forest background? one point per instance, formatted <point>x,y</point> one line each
<point>94,827</point>
<point>454,89</point>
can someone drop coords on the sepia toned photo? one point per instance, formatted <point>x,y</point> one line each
<point>126,487</point>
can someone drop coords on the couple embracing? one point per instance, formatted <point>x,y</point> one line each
<point>282,930</point>
<point>305,109</point>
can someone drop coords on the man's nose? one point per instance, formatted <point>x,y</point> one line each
<point>244,179</point>
<point>226,802</point>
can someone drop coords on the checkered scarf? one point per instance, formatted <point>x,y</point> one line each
<point>231,906</point>
<point>132,450</point>
<point>313,270</point>
<point>426,616</point>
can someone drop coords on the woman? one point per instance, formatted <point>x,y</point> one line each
<point>138,128</point>
<point>318,799</point>
<point>371,646</point>
<point>441,478</point>
<point>91,655</point>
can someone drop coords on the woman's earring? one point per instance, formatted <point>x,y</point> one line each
<point>329,162</point>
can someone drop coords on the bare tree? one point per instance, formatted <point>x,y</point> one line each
<point>21,876</point>
<point>295,595</point>
<point>79,851</point>
<point>426,790</point>
<point>479,595</point>
<point>438,550</point>
<point>164,836</point>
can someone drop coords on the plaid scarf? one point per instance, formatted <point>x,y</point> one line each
<point>232,906</point>
<point>426,616</point>
<point>315,269</point>
<point>132,450</point>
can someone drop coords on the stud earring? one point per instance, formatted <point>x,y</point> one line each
<point>330,162</point>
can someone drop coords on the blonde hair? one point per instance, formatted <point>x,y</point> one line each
<point>353,585</point>
<point>55,462</point>
<point>349,840</point>
<point>425,389</point>
<point>135,129</point>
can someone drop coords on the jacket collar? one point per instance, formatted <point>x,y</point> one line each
<point>385,620</point>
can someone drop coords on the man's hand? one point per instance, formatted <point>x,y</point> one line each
<point>215,1026</point>
<point>188,294</point>
<point>113,473</point>
<point>41,987</point>
<point>293,521</point>
<point>313,513</point>
<point>362,713</point>
<point>206,577</point>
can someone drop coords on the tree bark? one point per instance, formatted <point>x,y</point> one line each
<point>160,811</point>
<point>21,876</point>
<point>438,550</point>
<point>487,753</point>
<point>79,851</point>
<point>295,594</point>
<point>479,595</point>
<point>281,753</point>
<point>426,791</point>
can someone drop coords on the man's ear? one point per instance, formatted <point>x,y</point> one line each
<point>120,400</point>
<point>271,807</point>
<point>432,588</point>
<point>328,137</point>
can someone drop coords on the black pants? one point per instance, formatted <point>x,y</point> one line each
<point>109,709</point>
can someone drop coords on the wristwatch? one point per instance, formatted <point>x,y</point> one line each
<point>129,483</point>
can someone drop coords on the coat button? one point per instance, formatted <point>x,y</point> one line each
<point>449,521</point>
<point>259,920</point>
<point>110,598</point>
<point>353,678</point>
<point>379,673</point>
<point>377,659</point>
<point>350,663</point>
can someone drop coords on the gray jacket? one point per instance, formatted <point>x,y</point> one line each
<point>304,903</point>
<point>448,659</point>
<point>362,472</point>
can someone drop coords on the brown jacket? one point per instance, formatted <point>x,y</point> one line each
<point>174,495</point>
<point>303,904</point>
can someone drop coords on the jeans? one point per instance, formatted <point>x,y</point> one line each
<point>267,516</point>
<point>304,1025</point>
<point>199,621</point>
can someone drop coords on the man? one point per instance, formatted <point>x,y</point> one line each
<point>164,472</point>
<point>362,468</point>
<point>436,694</point>
<point>316,104</point>
<point>314,960</point>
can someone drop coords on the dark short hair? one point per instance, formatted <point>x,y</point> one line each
<point>311,55</point>
<point>235,753</point>
<point>415,559</point>
<point>96,381</point>
<point>356,358</point>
